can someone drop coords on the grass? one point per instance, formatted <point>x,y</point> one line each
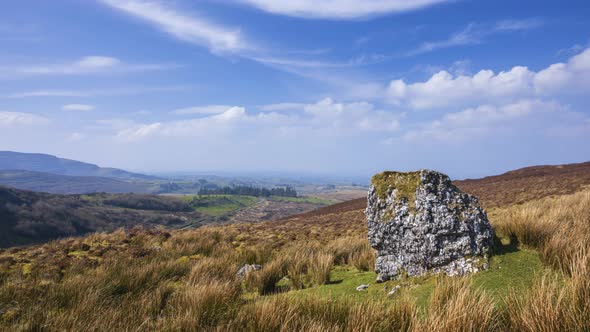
<point>152,280</point>
<point>219,205</point>
<point>512,271</point>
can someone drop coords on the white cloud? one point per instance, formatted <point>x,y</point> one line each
<point>78,107</point>
<point>338,9</point>
<point>326,117</point>
<point>14,119</point>
<point>188,28</point>
<point>444,89</point>
<point>472,123</point>
<point>209,109</point>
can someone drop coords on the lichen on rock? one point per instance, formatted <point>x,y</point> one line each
<point>419,222</point>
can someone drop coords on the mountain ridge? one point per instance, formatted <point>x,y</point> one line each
<point>46,163</point>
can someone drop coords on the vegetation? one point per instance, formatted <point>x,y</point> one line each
<point>144,279</point>
<point>250,191</point>
<point>28,217</point>
<point>219,205</point>
<point>405,184</point>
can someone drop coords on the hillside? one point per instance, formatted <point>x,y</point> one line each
<point>30,217</point>
<point>529,183</point>
<point>65,184</point>
<point>185,280</point>
<point>45,163</point>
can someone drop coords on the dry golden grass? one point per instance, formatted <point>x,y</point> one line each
<point>150,280</point>
<point>558,227</point>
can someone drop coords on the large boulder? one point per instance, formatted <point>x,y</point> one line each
<point>419,222</point>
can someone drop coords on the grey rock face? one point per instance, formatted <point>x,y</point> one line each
<point>420,222</point>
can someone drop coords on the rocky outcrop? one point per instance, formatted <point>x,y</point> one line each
<point>419,222</point>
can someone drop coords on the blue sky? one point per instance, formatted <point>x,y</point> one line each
<point>337,87</point>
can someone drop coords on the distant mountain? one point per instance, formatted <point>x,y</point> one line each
<point>31,217</point>
<point>37,162</point>
<point>64,184</point>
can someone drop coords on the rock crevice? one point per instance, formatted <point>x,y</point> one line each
<point>419,222</point>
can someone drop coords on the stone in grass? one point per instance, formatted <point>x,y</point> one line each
<point>394,290</point>
<point>419,222</point>
<point>362,288</point>
<point>247,269</point>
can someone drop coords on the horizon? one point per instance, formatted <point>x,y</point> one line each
<point>471,89</point>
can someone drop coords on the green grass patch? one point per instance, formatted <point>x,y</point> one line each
<point>509,270</point>
<point>219,205</point>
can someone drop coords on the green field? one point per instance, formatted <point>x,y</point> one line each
<point>219,205</point>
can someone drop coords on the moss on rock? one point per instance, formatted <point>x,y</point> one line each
<point>405,184</point>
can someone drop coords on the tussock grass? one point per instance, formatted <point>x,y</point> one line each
<point>558,227</point>
<point>146,280</point>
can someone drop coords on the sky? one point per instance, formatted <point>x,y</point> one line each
<point>339,87</point>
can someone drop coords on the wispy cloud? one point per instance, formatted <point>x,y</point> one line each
<point>209,109</point>
<point>475,33</point>
<point>78,107</point>
<point>96,93</point>
<point>189,28</point>
<point>13,119</point>
<point>338,9</point>
<point>92,64</point>
<point>224,40</point>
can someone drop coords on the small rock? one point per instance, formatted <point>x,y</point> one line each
<point>394,290</point>
<point>247,269</point>
<point>362,288</point>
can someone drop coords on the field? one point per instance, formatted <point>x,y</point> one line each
<point>185,280</point>
<point>237,208</point>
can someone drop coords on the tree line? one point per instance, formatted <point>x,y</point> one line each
<point>250,191</point>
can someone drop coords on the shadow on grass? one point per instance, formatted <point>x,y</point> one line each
<point>335,282</point>
<point>500,248</point>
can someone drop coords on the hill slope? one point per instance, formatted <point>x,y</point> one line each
<point>529,183</point>
<point>65,184</point>
<point>38,162</point>
<point>30,217</point>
